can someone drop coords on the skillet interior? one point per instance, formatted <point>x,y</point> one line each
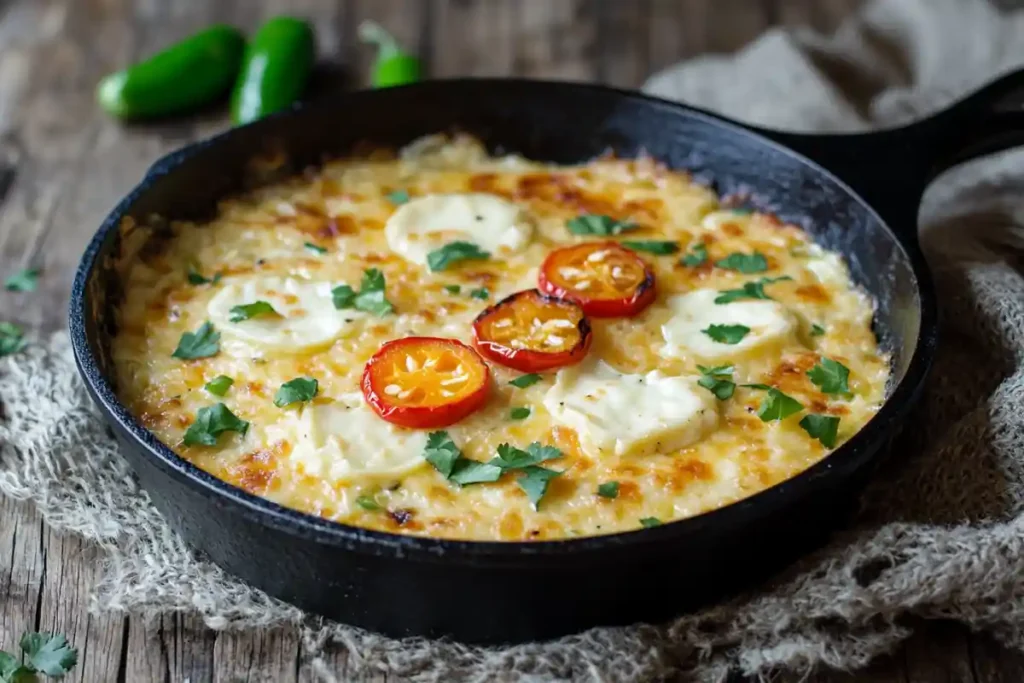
<point>408,585</point>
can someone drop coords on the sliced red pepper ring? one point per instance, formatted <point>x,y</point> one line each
<point>605,279</point>
<point>425,382</point>
<point>532,332</point>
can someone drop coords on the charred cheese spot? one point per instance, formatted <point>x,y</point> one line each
<point>674,449</point>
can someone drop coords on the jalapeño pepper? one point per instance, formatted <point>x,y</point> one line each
<point>183,76</point>
<point>394,66</point>
<point>275,69</point>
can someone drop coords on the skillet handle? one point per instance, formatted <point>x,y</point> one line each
<point>891,168</point>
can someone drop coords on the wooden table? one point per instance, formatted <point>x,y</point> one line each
<point>63,164</point>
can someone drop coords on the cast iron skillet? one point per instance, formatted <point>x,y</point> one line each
<point>858,194</point>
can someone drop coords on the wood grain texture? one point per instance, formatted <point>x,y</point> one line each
<point>63,165</point>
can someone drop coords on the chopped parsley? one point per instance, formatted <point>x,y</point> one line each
<point>534,481</point>
<point>775,405</point>
<point>452,253</point>
<point>510,457</point>
<point>744,263</point>
<point>45,653</point>
<point>197,278</point>
<point>519,413</point>
<point>698,255</point>
<point>398,197</point>
<point>371,297</point>
<point>817,330</point>
<point>202,343</point>
<point>248,311</point>
<point>824,428</point>
<point>831,376</point>
<point>749,290</point>
<point>648,522</point>
<point>296,390</point>
<point>368,503</point>
<point>211,422</point>
<point>609,489</point>
<point>524,381</point>
<point>23,281</point>
<point>593,224</point>
<point>727,334</point>
<point>315,248</point>
<point>219,385</point>
<point>482,293</point>
<point>659,247</point>
<point>452,289</point>
<point>12,339</point>
<point>717,380</point>
<point>445,456</point>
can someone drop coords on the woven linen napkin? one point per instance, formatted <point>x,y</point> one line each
<point>941,534</point>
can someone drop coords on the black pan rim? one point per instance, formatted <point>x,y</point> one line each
<point>842,462</point>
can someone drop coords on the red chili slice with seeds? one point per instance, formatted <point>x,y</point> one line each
<point>605,279</point>
<point>425,382</point>
<point>532,332</point>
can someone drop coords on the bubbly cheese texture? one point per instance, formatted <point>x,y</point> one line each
<point>771,326</point>
<point>674,448</point>
<point>425,224</point>
<point>624,414</point>
<point>304,314</point>
<point>340,440</point>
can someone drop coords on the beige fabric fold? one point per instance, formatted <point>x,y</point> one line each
<point>941,534</point>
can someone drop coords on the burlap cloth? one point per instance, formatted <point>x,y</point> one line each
<point>941,534</point>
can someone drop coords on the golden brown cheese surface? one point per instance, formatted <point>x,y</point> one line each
<point>260,241</point>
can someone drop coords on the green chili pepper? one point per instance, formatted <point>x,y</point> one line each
<point>394,66</point>
<point>184,76</point>
<point>275,70</point>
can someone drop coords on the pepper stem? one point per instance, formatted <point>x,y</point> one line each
<point>372,33</point>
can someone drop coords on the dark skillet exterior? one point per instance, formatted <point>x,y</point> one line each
<point>505,592</point>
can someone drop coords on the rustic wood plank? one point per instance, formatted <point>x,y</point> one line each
<point>473,38</point>
<point>992,662</point>
<point>938,652</point>
<point>22,567</point>
<point>271,656</point>
<point>172,647</point>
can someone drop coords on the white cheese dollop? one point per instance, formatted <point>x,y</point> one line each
<point>344,439</point>
<point>624,414</point>
<point>424,224</point>
<point>307,320</point>
<point>771,325</point>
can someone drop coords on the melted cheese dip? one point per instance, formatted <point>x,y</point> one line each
<point>632,413</point>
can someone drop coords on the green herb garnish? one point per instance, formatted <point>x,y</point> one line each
<point>12,339</point>
<point>210,423</point>
<point>727,334</point>
<point>453,252</point>
<point>592,224</point>
<point>817,330</point>
<point>519,413</point>
<point>775,405</point>
<point>445,456</point>
<point>824,428</point>
<point>202,343</point>
<point>744,263</point>
<point>534,481</point>
<point>371,297</point>
<point>219,385</point>
<point>248,311</point>
<point>482,293</point>
<point>368,503</point>
<point>23,281</point>
<point>741,211</point>
<point>658,247</point>
<point>648,522</point>
<point>717,380</point>
<point>296,390</point>
<point>831,376</point>
<point>398,197</point>
<point>524,381</point>
<point>510,457</point>
<point>750,290</point>
<point>698,255</point>
<point>315,248</point>
<point>452,289</point>
<point>196,278</point>
<point>609,489</point>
